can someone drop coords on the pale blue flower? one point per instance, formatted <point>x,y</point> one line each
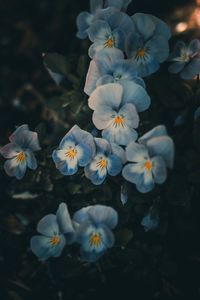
<point>77,148</point>
<point>103,163</point>
<point>149,159</point>
<point>148,45</point>
<point>56,231</point>
<point>109,30</point>
<point>116,110</point>
<point>93,230</point>
<point>85,19</point>
<point>186,60</point>
<point>109,66</point>
<point>19,152</point>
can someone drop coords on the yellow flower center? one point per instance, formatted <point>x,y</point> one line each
<point>54,241</point>
<point>148,165</point>
<point>71,153</point>
<point>21,157</point>
<point>94,240</point>
<point>118,120</point>
<point>184,57</point>
<point>141,53</point>
<point>109,43</point>
<point>102,163</point>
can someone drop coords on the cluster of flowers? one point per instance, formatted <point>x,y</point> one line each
<point>124,50</point>
<point>144,162</point>
<point>90,226</point>
<point>143,38</point>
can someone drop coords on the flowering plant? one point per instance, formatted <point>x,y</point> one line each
<point>103,156</point>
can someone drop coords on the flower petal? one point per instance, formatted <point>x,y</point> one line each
<point>149,67</point>
<point>144,25</point>
<point>15,168</point>
<point>102,214</point>
<point>42,248</point>
<point>92,77</point>
<point>96,174</point>
<point>16,136</point>
<point>108,95</point>
<point>114,165</point>
<point>164,147</point>
<point>67,142</point>
<point>30,159</point>
<point>81,215</point>
<point>10,150</point>
<point>158,47</point>
<point>135,94</point>
<point>64,219</point>
<point>159,169</point>
<point>157,131</point>
<point>103,117</point>
<point>118,151</point>
<point>83,22</point>
<point>147,184</point>
<point>176,67</point>
<point>84,154</point>
<point>136,152</point>
<point>95,5</point>
<point>65,164</point>
<point>179,48</point>
<point>99,32</point>
<point>193,47</point>
<point>161,27</point>
<point>122,21</point>
<point>133,42</point>
<point>48,226</point>
<point>121,135</point>
<point>105,79</point>
<point>119,38</point>
<point>192,68</point>
<point>108,56</point>
<point>129,114</point>
<point>103,146</point>
<point>133,173</point>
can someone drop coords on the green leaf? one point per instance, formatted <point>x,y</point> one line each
<point>57,63</point>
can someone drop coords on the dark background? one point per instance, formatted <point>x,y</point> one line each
<point>164,264</point>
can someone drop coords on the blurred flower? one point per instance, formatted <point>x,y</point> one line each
<point>115,110</point>
<point>182,26</point>
<point>150,222</point>
<point>93,233</point>
<point>56,231</point>
<point>103,162</point>
<point>149,159</point>
<point>186,59</point>
<point>20,152</point>
<point>85,19</point>
<point>109,66</point>
<point>148,45</point>
<point>77,148</point>
<point>109,30</point>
